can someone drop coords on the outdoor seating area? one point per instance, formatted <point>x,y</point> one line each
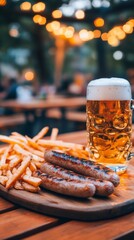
<point>67,119</point>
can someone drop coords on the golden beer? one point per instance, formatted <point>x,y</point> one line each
<point>109,123</point>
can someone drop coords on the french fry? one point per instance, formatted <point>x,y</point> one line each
<point>22,156</point>
<point>34,181</point>
<point>4,167</point>
<point>15,161</point>
<point>2,149</point>
<point>32,167</point>
<point>33,144</point>
<point>10,140</point>
<point>28,172</point>
<point>18,185</point>
<point>30,188</point>
<point>41,134</point>
<point>34,151</point>
<point>54,134</point>
<point>24,152</point>
<point>4,156</point>
<point>3,180</point>
<point>8,173</point>
<point>18,172</point>
<point>59,144</point>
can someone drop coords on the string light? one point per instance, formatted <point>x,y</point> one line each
<point>113,41</point>
<point>29,75</point>
<point>39,19</point>
<point>99,22</point>
<point>57,14</point>
<point>84,35</point>
<point>113,37</point>
<point>69,32</point>
<point>128,28</point>
<point>38,7</point>
<point>25,6</point>
<point>79,14</point>
<point>104,36</point>
<point>3,2</point>
<point>97,33</point>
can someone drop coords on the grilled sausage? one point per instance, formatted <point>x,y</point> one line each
<point>67,187</point>
<point>86,167</point>
<point>103,188</point>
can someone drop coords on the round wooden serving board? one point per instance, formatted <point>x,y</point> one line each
<point>119,203</point>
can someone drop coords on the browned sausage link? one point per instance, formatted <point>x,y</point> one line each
<point>66,187</point>
<point>103,188</point>
<point>82,166</point>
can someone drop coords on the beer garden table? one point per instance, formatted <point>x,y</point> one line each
<point>35,109</point>
<point>20,223</point>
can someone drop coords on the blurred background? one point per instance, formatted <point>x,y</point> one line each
<point>58,46</point>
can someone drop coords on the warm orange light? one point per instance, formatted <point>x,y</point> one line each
<point>99,22</point>
<point>49,27</point>
<point>13,32</point>
<point>37,18</point>
<point>61,31</point>
<point>91,35</point>
<point>55,25</point>
<point>69,32</point>
<point>131,21</point>
<point>97,33</point>
<point>29,75</point>
<point>38,7</point>
<point>57,14</point>
<point>84,35</point>
<point>104,36</point>
<point>75,40</point>
<point>118,32</point>
<point>42,21</point>
<point>79,14</point>
<point>25,6</point>
<point>113,41</point>
<point>128,28</point>
<point>3,2</point>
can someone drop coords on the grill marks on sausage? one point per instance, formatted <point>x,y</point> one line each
<point>82,166</point>
<point>67,187</point>
<point>103,188</point>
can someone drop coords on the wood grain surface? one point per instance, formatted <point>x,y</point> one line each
<point>119,203</point>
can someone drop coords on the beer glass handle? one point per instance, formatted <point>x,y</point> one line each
<point>132,153</point>
<point>132,104</point>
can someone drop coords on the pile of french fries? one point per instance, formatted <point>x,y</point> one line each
<point>21,156</point>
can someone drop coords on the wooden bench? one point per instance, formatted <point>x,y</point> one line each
<point>70,115</point>
<point>76,120</point>
<point>11,121</point>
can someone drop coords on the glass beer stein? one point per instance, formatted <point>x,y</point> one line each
<point>109,122</point>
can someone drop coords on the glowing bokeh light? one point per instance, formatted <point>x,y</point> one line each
<point>97,33</point>
<point>29,75</point>
<point>38,7</point>
<point>25,6</point>
<point>104,36</point>
<point>13,32</point>
<point>3,2</point>
<point>79,14</point>
<point>57,14</point>
<point>99,22</point>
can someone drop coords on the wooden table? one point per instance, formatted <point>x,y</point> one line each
<point>17,222</point>
<point>34,104</point>
<point>35,109</point>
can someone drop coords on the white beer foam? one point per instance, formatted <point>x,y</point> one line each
<point>109,89</point>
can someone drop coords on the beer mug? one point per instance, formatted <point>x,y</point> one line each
<point>109,122</point>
